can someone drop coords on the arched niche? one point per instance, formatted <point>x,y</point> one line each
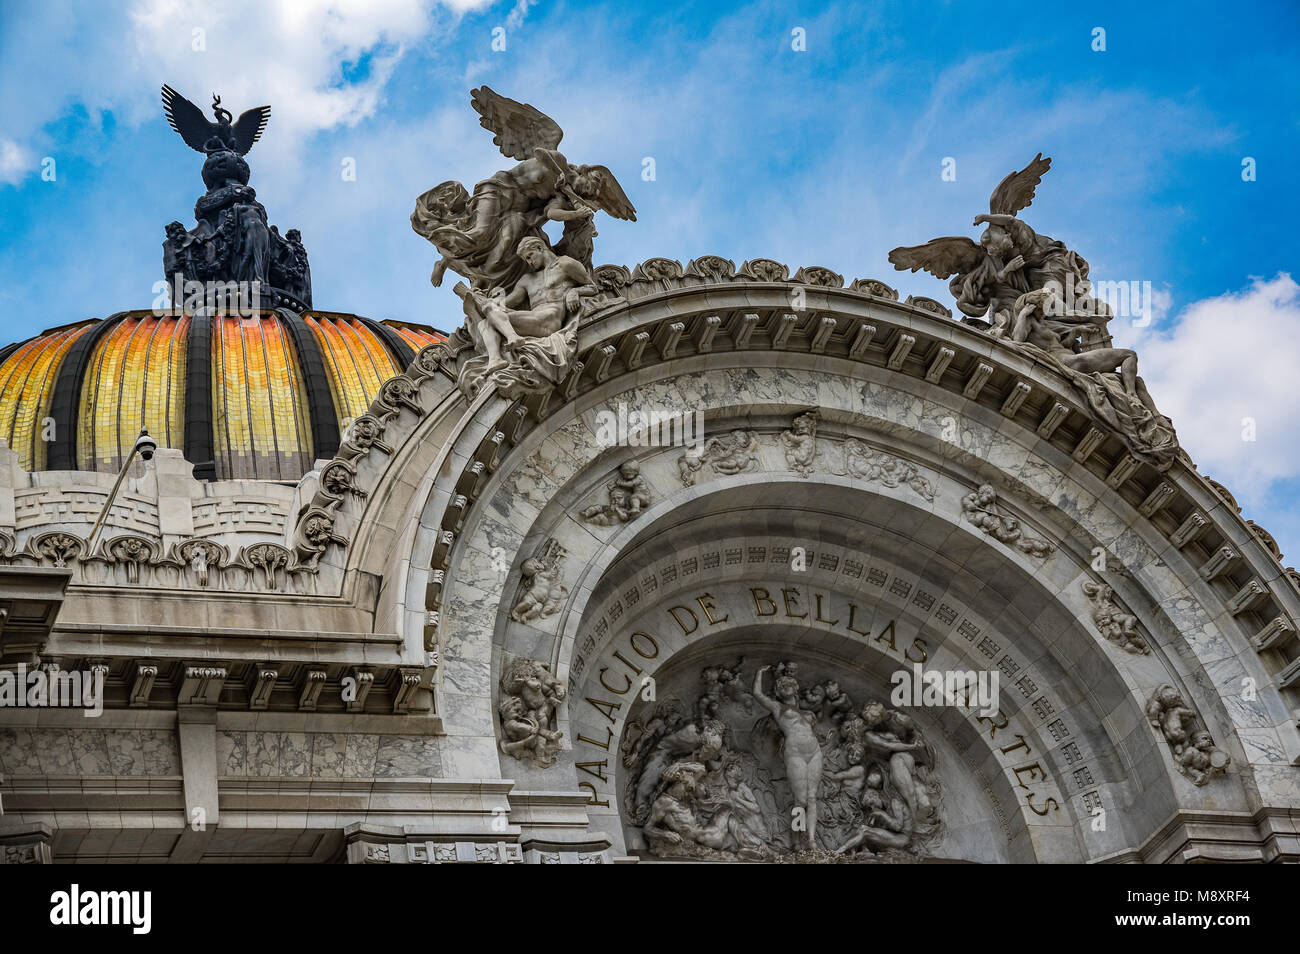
<point>555,469</point>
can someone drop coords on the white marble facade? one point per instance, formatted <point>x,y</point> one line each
<point>832,525</point>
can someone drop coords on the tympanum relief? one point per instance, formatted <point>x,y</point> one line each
<point>805,453</point>
<point>778,763</point>
<point>726,456</point>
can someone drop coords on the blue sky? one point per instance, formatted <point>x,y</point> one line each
<point>829,156</point>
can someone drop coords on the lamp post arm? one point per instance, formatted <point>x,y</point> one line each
<point>108,504</point>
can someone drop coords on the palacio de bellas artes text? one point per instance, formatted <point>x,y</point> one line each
<point>592,433</point>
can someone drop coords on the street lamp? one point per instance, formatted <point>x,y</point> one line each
<point>144,446</point>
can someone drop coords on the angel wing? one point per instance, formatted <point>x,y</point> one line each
<point>250,127</point>
<point>187,119</point>
<point>1016,191</point>
<point>518,128</point>
<point>941,257</point>
<point>609,195</point>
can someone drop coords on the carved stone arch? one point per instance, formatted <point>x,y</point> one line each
<point>1124,697</point>
<point>1082,500</point>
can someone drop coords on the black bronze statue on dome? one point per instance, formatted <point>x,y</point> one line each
<point>232,240</point>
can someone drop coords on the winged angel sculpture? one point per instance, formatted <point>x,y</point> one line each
<point>232,240</point>
<point>1036,296</point>
<point>524,296</point>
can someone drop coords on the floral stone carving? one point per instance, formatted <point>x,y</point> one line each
<point>800,443</point>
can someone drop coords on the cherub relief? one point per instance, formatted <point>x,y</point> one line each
<point>542,592</point>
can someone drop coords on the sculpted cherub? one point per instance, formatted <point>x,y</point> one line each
<point>727,455</point>
<point>1112,622</point>
<point>838,706</point>
<point>523,736</point>
<point>1167,712</point>
<point>629,494</point>
<point>542,592</point>
<point>539,689</point>
<point>801,443</point>
<point>530,696</point>
<point>1201,759</point>
<point>981,509</point>
<point>719,682</point>
<point>1194,751</point>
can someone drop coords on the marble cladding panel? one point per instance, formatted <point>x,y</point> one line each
<point>88,752</point>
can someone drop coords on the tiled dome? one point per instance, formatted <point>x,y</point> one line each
<point>243,397</point>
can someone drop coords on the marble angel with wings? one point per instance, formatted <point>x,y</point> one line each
<point>1010,258</point>
<point>478,233</point>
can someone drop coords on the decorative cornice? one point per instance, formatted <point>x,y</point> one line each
<point>871,327</point>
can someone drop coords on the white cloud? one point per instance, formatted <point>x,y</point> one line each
<point>1229,362</point>
<point>15,161</point>
<point>321,64</point>
<point>291,53</point>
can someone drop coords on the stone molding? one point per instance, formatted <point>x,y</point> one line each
<point>869,327</point>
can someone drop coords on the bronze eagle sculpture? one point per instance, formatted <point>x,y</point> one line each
<point>204,136</point>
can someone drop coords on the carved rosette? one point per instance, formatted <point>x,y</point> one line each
<point>875,288</point>
<point>817,275</point>
<point>765,270</point>
<point>657,270</point>
<point>711,268</point>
